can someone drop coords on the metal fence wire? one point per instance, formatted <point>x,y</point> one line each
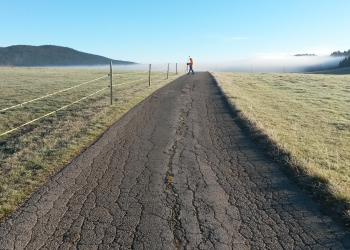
<point>110,86</point>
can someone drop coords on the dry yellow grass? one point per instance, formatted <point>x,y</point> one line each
<point>306,115</point>
<point>28,157</point>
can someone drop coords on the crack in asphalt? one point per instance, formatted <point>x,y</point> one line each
<point>176,172</point>
<point>179,234</point>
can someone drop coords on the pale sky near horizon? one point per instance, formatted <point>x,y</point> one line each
<point>164,31</point>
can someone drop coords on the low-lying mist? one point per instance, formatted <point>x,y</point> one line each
<point>287,64</point>
<point>159,67</point>
<point>275,64</point>
<point>258,64</point>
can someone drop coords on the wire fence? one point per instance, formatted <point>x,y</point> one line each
<point>51,113</point>
<point>120,76</point>
<point>52,94</point>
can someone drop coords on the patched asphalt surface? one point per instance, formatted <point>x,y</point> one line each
<point>175,173</point>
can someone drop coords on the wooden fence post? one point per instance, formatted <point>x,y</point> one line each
<point>149,75</point>
<point>167,72</point>
<point>111,80</point>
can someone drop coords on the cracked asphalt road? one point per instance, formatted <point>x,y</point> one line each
<point>176,172</point>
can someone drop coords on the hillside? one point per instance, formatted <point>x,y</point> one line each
<point>50,55</point>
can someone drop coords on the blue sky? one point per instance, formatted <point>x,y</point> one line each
<point>162,31</point>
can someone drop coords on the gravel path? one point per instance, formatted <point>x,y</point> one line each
<point>176,172</point>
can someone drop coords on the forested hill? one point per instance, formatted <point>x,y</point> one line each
<point>50,55</point>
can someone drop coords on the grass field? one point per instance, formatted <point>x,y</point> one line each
<point>306,115</point>
<point>35,152</point>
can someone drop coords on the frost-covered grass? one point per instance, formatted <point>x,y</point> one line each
<point>305,115</point>
<point>32,154</point>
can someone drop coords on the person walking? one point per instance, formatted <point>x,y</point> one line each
<point>190,65</point>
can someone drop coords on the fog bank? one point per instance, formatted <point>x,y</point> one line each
<point>254,65</point>
<point>274,64</point>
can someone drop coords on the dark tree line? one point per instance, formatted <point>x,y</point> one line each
<point>341,53</point>
<point>345,62</point>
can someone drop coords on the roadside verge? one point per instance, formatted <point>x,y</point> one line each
<point>316,187</point>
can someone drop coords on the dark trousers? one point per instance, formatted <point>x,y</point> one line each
<point>191,69</point>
